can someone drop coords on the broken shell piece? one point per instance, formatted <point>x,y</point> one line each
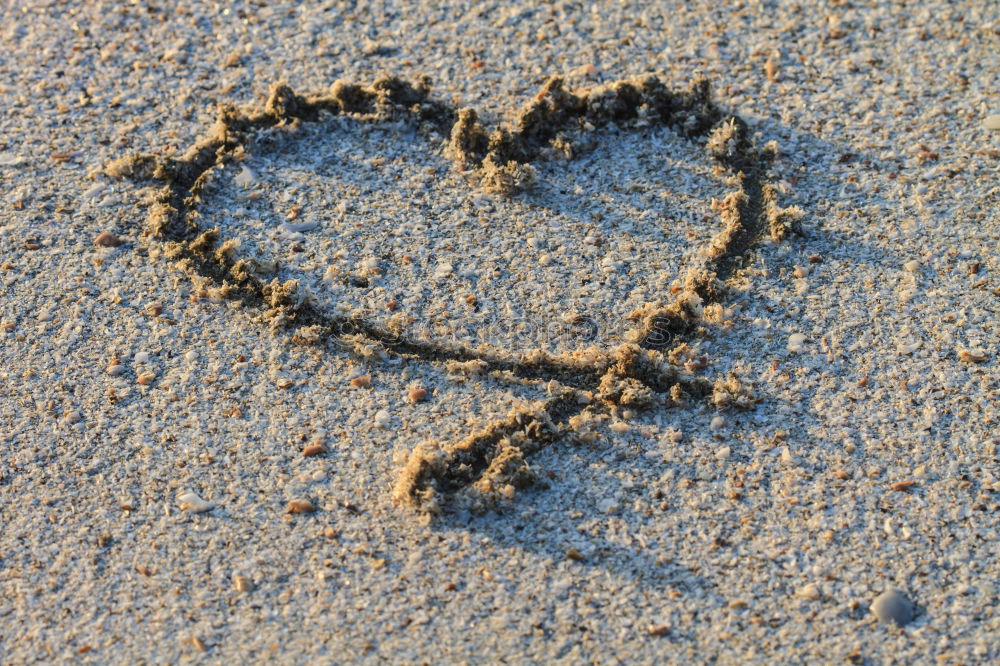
<point>245,178</point>
<point>971,356</point>
<point>796,342</point>
<point>295,227</point>
<point>191,503</point>
<point>243,584</point>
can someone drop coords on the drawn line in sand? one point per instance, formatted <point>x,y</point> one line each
<point>488,465</point>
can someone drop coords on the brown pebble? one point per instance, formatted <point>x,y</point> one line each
<point>154,309</point>
<point>107,240</point>
<point>364,381</point>
<point>659,630</point>
<point>284,383</point>
<point>313,450</point>
<point>146,378</point>
<point>575,555</point>
<point>330,533</point>
<point>417,395</point>
<point>392,305</point>
<point>903,485</point>
<point>815,259</point>
<point>301,506</point>
<point>198,644</point>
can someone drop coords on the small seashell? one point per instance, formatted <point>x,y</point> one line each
<point>107,240</point>
<point>992,122</point>
<point>313,450</point>
<point>146,378</point>
<point>191,503</point>
<point>416,395</point>
<point>893,606</point>
<point>810,592</point>
<point>364,381</point>
<point>301,506</point>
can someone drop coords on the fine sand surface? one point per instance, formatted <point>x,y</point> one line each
<point>402,408</point>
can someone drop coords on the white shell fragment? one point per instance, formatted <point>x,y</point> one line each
<point>796,342</point>
<point>992,122</point>
<point>191,503</point>
<point>245,178</point>
<point>295,227</point>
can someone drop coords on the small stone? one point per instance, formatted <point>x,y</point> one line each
<point>154,309</point>
<point>190,356</point>
<point>575,555</point>
<point>142,357</point>
<point>301,506</point>
<point>107,240</point>
<point>893,606</point>
<point>717,423</point>
<point>313,450</point>
<point>992,122</point>
<point>115,369</point>
<point>191,503</point>
<point>416,395</point>
<point>796,342</point>
<point>911,266</point>
<point>243,584</point>
<point>382,418</point>
<point>146,378</point>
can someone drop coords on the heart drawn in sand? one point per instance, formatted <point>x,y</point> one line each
<point>294,208</point>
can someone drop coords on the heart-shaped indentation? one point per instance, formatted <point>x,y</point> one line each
<point>326,222</point>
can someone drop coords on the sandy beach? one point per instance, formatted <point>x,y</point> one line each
<point>499,333</point>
